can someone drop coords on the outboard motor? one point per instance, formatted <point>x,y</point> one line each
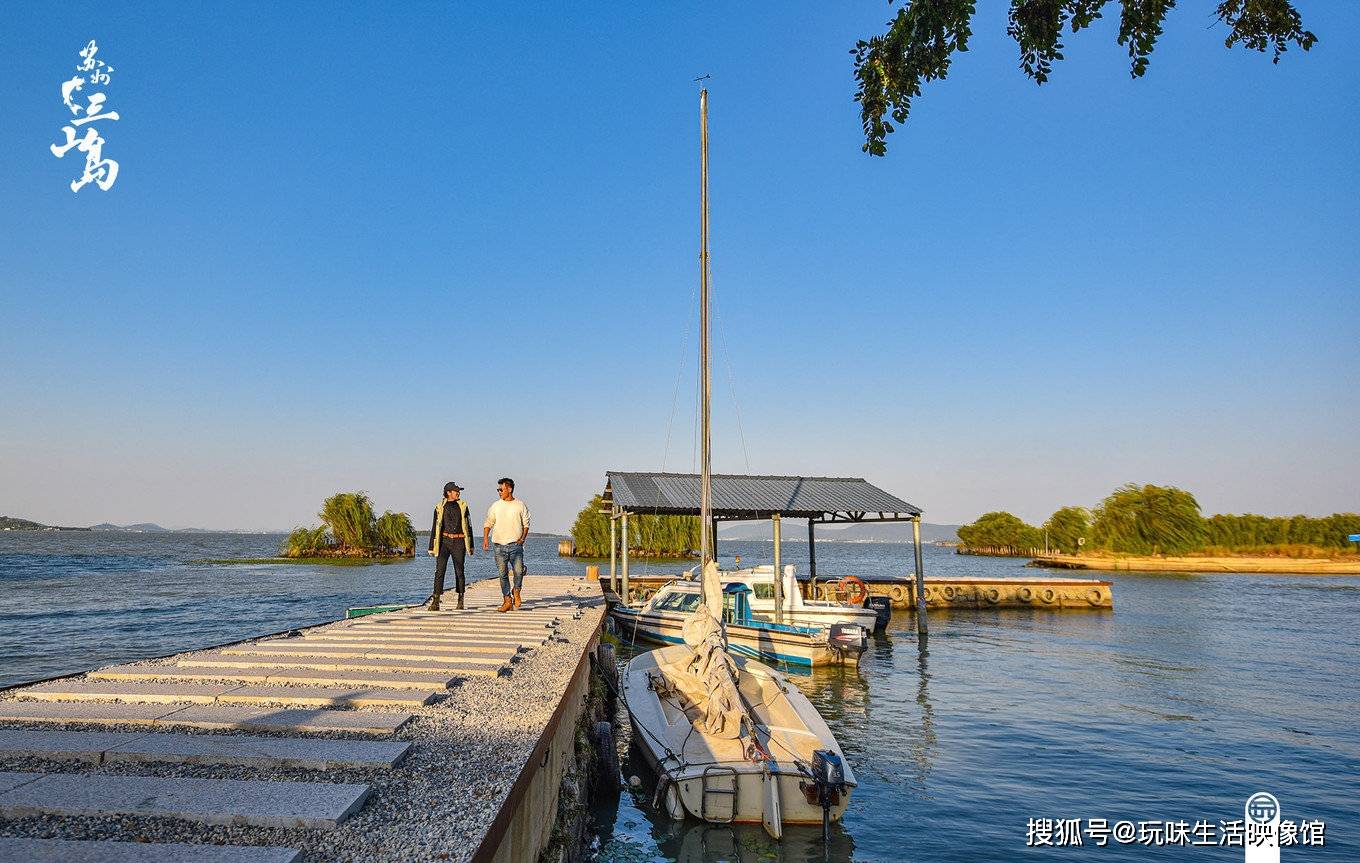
<point>882,606</point>
<point>828,780</point>
<point>849,640</point>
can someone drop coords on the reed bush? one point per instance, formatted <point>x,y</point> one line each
<point>349,528</point>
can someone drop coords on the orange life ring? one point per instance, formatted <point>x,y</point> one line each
<point>854,596</point>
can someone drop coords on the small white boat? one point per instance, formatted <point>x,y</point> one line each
<point>662,619</point>
<point>749,748</point>
<point>797,610</point>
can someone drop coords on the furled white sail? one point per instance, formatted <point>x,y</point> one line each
<point>713,687</point>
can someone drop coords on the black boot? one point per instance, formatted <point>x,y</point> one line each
<point>460,600</point>
<point>434,604</point>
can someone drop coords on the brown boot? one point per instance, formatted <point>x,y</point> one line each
<point>515,594</point>
<point>506,604</point>
<point>434,604</point>
<point>460,600</point>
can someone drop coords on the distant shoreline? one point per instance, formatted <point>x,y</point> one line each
<point>1243,564</point>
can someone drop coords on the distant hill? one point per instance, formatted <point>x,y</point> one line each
<point>144,527</point>
<point>8,522</point>
<point>886,531</point>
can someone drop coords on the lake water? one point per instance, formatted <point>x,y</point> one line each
<point>1195,692</point>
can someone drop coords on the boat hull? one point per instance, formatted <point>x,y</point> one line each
<point>684,774</point>
<point>752,642</point>
<point>794,804</point>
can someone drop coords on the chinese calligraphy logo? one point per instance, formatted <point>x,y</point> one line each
<point>93,73</point>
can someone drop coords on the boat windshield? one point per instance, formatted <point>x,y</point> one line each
<point>677,601</point>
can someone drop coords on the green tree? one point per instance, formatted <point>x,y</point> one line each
<point>1065,526</point>
<point>1149,519</point>
<point>395,533</point>
<point>923,37</point>
<point>1000,532</point>
<point>648,535</point>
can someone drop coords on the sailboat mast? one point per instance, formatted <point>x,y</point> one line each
<point>705,383</point>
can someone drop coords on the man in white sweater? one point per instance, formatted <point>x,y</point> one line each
<point>507,525</point>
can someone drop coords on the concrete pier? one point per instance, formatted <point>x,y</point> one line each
<point>402,736</point>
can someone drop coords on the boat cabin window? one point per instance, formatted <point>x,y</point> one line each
<point>764,591</point>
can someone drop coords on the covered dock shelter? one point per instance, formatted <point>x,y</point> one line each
<point>740,497</point>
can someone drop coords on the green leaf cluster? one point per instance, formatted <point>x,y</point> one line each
<point>1066,527</point>
<point>1000,533</point>
<point>1151,519</point>
<point>648,535</point>
<point>349,527</point>
<point>1240,532</point>
<point>922,38</point>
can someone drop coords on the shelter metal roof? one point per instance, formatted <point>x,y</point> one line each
<point>736,496</point>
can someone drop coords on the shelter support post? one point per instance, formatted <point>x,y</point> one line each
<point>812,555</point>
<point>921,627</point>
<point>613,554</point>
<point>623,554</point>
<point>778,573</point>
<point>713,541</point>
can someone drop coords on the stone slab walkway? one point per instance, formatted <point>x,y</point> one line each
<point>85,851</point>
<point>315,805</point>
<point>376,647</point>
<point>478,664</point>
<point>223,693</point>
<point>278,674</point>
<point>240,749</point>
<point>204,716</point>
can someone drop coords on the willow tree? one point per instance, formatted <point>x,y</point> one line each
<point>922,39</point>
<point>1066,526</point>
<point>1149,519</point>
<point>648,535</point>
<point>1265,533</point>
<point>1000,533</point>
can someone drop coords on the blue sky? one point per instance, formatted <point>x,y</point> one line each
<point>378,249</point>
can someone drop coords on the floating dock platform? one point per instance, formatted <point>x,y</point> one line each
<point>1058,594</point>
<point>398,736</point>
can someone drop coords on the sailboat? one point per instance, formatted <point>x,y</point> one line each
<point>730,739</point>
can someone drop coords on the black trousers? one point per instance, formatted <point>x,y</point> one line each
<point>449,549</point>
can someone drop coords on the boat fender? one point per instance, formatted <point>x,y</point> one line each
<point>1093,596</point>
<point>950,592</point>
<point>1048,595</point>
<point>1025,594</point>
<point>898,594</point>
<point>993,595</point>
<point>606,757</point>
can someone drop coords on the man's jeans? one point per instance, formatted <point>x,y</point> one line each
<point>510,558</point>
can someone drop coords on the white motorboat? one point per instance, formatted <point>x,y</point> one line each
<point>662,619</point>
<point>797,610</point>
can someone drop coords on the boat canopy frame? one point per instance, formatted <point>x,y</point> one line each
<point>751,497</point>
